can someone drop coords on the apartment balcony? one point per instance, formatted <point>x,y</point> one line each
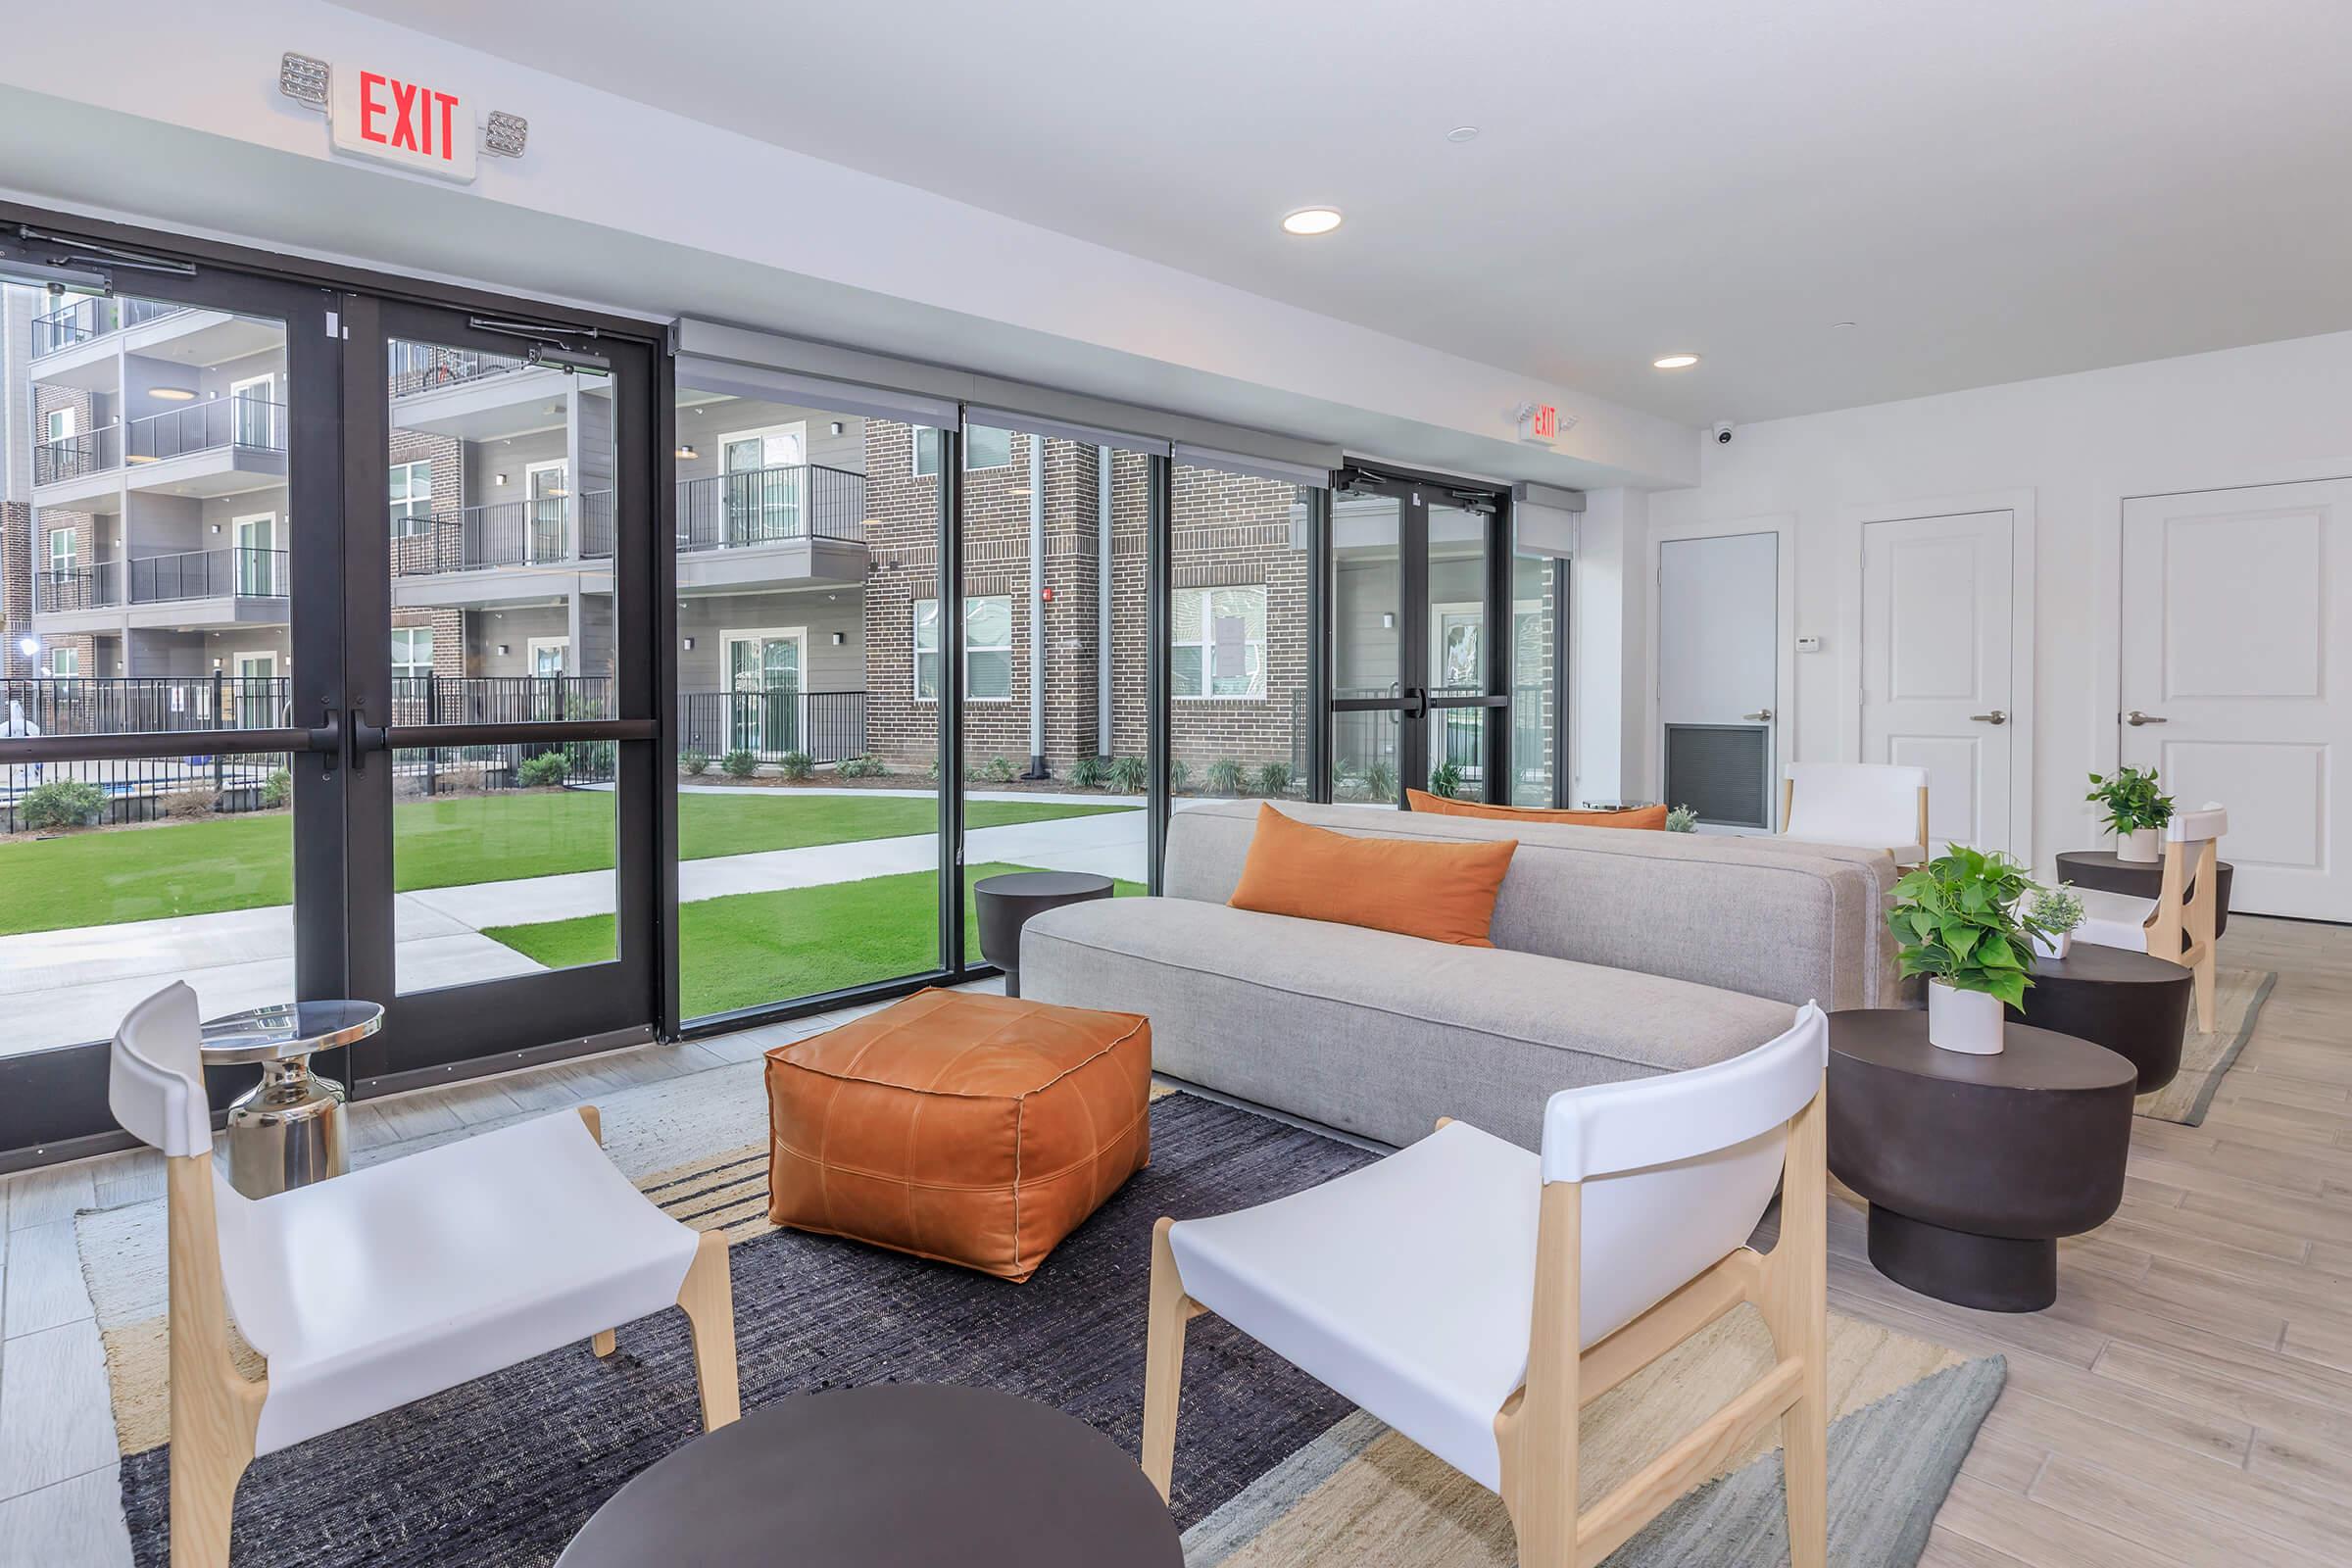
<point>76,344</point>
<point>511,551</point>
<point>217,448</point>
<point>470,395</point>
<point>235,586</point>
<point>795,523</point>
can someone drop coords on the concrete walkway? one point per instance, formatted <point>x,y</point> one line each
<point>61,987</point>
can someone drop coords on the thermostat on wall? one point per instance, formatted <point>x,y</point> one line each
<point>1808,644</point>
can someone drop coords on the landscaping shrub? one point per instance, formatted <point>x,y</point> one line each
<point>189,806</point>
<point>278,787</point>
<point>998,771</point>
<point>694,764</point>
<point>1226,775</point>
<point>794,765</point>
<point>1180,773</point>
<point>1380,781</point>
<point>863,767</point>
<point>546,770</point>
<point>1089,773</point>
<point>739,763</point>
<point>1445,779</point>
<point>61,802</point>
<point>1130,774</point>
<point>1274,779</point>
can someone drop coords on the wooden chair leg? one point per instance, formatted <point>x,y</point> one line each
<point>216,1409</point>
<point>204,1492</point>
<point>708,1298</point>
<point>1163,1359</point>
<point>2204,981</point>
<point>604,1344</point>
<point>1796,1309</point>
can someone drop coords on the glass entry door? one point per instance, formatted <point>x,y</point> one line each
<point>1418,680</point>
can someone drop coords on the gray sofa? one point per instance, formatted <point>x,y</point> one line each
<point>1618,954</point>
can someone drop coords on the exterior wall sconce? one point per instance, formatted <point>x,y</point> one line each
<point>690,645</point>
<point>499,478</point>
<point>1388,621</point>
<point>840,637</point>
<point>503,650</point>
<point>836,427</point>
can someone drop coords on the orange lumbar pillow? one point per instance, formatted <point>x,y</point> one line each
<point>1652,817</point>
<point>1444,892</point>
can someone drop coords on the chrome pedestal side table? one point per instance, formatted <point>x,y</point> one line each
<point>288,1130</point>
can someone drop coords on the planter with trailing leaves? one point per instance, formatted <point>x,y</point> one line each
<point>1962,921</point>
<point>2137,811</point>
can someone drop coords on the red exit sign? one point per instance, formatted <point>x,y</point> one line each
<point>1538,421</point>
<point>422,125</point>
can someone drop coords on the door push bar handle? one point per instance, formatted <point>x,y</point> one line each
<point>2136,718</point>
<point>1416,701</point>
<point>1762,716</point>
<point>366,738</point>
<point>327,739</point>
<point>1996,717</point>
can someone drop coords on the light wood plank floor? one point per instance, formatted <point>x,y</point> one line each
<point>2188,1401</point>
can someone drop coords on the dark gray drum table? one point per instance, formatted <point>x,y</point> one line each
<point>2135,1006</point>
<point>893,1476</point>
<point>1976,1165</point>
<point>2142,879</point>
<point>1006,904</point>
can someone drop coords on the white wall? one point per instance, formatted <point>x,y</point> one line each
<point>2079,445</point>
<point>1607,617</point>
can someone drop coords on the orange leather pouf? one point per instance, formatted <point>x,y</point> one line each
<point>976,1129</point>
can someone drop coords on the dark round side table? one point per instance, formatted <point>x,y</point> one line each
<point>2142,879</point>
<point>2134,1005</point>
<point>1006,903</point>
<point>1976,1165</point>
<point>887,1477</point>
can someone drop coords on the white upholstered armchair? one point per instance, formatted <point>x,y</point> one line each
<point>370,1289</point>
<point>1475,1295</point>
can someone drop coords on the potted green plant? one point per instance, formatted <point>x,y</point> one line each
<point>1683,819</point>
<point>2059,910</point>
<point>1962,921</point>
<point>2137,811</point>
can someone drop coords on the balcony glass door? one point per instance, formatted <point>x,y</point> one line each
<point>763,670</point>
<point>765,471</point>
<point>550,494</point>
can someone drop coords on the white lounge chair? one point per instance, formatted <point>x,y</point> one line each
<point>2178,923</point>
<point>374,1289</point>
<point>1475,1295</point>
<point>1873,806</point>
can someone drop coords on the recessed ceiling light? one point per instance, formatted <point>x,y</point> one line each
<point>1462,134</point>
<point>1676,361</point>
<point>171,394</point>
<point>1311,221</point>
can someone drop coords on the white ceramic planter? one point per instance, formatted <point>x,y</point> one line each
<point>1967,1021</point>
<point>2057,947</point>
<point>2143,844</point>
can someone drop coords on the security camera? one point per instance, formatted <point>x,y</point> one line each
<point>1723,435</point>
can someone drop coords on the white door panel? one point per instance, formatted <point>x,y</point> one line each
<point>2238,653</point>
<point>1935,666</point>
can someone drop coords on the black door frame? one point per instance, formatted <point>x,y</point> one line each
<point>1414,492</point>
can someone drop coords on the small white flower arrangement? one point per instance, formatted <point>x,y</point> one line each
<point>2059,910</point>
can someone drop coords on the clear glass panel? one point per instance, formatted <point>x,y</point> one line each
<point>499,541</point>
<point>159,528</point>
<point>1367,588</point>
<point>1364,756</point>
<point>1539,707</point>
<point>1238,635</point>
<point>1458,650</point>
<point>807,701</point>
<point>113,873</point>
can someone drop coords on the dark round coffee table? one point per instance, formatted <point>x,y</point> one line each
<point>888,1477</point>
<point>2134,1005</point>
<point>1006,904</point>
<point>1976,1165</point>
<point>2099,869</point>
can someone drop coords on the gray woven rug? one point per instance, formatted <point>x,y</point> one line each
<point>505,1470</point>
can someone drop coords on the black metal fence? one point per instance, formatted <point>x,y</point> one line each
<point>434,698</point>
<point>828,726</point>
<point>142,788</point>
<point>767,505</point>
<point>121,705</point>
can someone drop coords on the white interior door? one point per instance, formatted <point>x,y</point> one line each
<point>1935,666</point>
<point>1719,676</point>
<point>2237,657</point>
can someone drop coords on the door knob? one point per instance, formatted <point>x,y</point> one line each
<point>1996,717</point>
<point>1762,716</point>
<point>2136,718</point>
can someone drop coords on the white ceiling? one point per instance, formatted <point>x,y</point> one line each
<point>1991,189</point>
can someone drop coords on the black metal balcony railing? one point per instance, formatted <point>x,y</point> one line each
<point>118,705</point>
<point>424,368</point>
<point>242,420</point>
<point>437,699</point>
<point>77,456</point>
<point>505,533</point>
<point>83,320</point>
<point>826,725</point>
<point>767,505</point>
<point>238,572</point>
<point>68,589</point>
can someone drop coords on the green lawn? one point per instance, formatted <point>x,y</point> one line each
<point>753,947</point>
<point>246,862</point>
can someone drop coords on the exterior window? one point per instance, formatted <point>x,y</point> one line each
<point>59,425</point>
<point>987,649</point>
<point>412,498</point>
<point>65,663</point>
<point>984,447</point>
<point>61,551</point>
<point>412,653</point>
<point>1219,643</point>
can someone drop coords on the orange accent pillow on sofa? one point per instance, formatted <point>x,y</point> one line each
<point>1444,892</point>
<point>1647,816</point>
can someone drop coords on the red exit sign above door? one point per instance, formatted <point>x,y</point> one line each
<point>1542,422</point>
<point>423,126</point>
